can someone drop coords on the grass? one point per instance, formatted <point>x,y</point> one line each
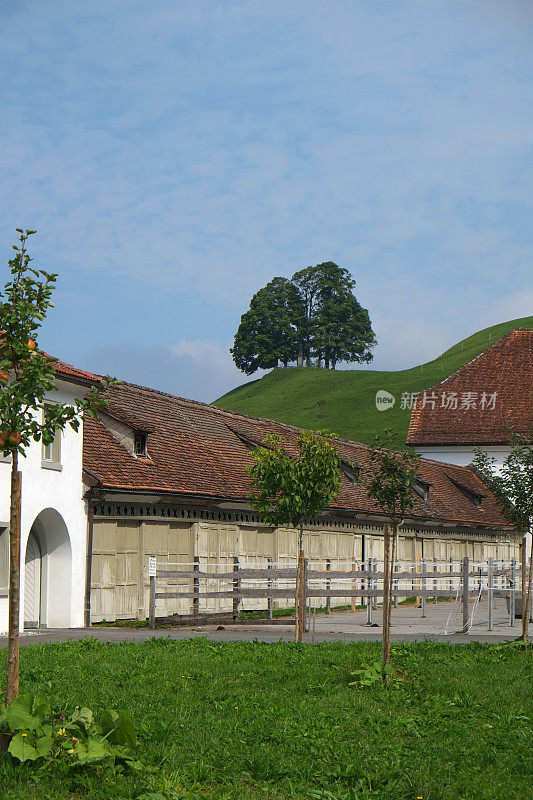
<point>277,721</point>
<point>344,400</point>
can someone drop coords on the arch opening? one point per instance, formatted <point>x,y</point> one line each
<point>48,573</point>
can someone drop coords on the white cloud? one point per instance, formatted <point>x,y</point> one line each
<point>204,147</point>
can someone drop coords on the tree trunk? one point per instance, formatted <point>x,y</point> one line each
<point>386,598</point>
<point>526,608</point>
<point>523,570</point>
<point>300,578</point>
<point>300,360</point>
<point>12,678</point>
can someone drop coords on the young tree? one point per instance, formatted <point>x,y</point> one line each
<point>267,331</point>
<point>288,490</point>
<point>390,484</point>
<point>512,488</point>
<point>27,375</point>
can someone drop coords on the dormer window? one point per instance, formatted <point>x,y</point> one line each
<point>421,488</point>
<point>474,497</point>
<point>139,445</point>
<point>349,472</point>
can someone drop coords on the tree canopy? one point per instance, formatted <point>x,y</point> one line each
<point>314,315</point>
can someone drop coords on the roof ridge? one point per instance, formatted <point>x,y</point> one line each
<point>472,360</point>
<point>227,412</point>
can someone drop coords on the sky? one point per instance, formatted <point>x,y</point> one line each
<point>175,156</point>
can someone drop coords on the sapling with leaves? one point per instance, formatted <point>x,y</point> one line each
<point>512,488</point>
<point>390,484</point>
<point>287,490</point>
<point>28,377</point>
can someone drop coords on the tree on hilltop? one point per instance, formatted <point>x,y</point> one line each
<point>266,335</point>
<point>314,315</point>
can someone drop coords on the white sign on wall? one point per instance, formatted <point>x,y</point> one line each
<point>152,566</point>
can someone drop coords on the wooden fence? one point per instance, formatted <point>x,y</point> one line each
<point>459,580</point>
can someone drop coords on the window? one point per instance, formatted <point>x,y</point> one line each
<point>139,445</point>
<point>473,496</point>
<point>421,488</point>
<point>248,444</point>
<point>350,472</point>
<point>51,454</point>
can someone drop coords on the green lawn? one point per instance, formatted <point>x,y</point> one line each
<point>252,720</point>
<point>344,400</point>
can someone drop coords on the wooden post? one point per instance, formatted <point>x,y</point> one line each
<point>369,598</point>
<point>423,588</point>
<point>386,600</point>
<point>269,601</point>
<point>435,569</point>
<point>490,589</point>
<point>152,572</point>
<point>152,603</point>
<point>328,587</point>
<point>236,588</point>
<point>196,588</point>
<point>512,593</point>
<point>451,570</point>
<point>523,571</point>
<point>300,588</point>
<point>12,680</point>
<point>305,598</point>
<point>464,581</point>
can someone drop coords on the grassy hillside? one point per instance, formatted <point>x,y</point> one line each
<point>344,401</point>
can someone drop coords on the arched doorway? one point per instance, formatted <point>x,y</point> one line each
<point>32,583</point>
<point>48,573</point>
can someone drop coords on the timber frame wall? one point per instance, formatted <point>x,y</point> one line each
<point>126,534</point>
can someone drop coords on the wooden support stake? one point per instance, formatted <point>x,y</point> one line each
<point>236,588</point>
<point>465,589</point>
<point>512,598</point>
<point>423,586</point>
<point>328,587</point>
<point>269,601</point>
<point>152,603</point>
<point>196,588</point>
<point>12,680</point>
<point>369,600</point>
<point>490,590</point>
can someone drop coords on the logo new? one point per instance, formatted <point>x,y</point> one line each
<point>384,400</point>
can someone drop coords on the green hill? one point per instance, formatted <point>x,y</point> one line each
<point>344,400</point>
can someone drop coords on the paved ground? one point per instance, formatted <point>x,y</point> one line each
<point>442,623</point>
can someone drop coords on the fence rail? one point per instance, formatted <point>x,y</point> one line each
<point>440,579</point>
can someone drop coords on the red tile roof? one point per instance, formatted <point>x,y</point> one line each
<point>196,450</point>
<point>75,375</point>
<point>505,372</point>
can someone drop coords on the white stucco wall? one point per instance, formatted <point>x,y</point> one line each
<point>63,581</point>
<point>461,455</point>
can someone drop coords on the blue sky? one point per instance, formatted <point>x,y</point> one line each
<point>175,156</point>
